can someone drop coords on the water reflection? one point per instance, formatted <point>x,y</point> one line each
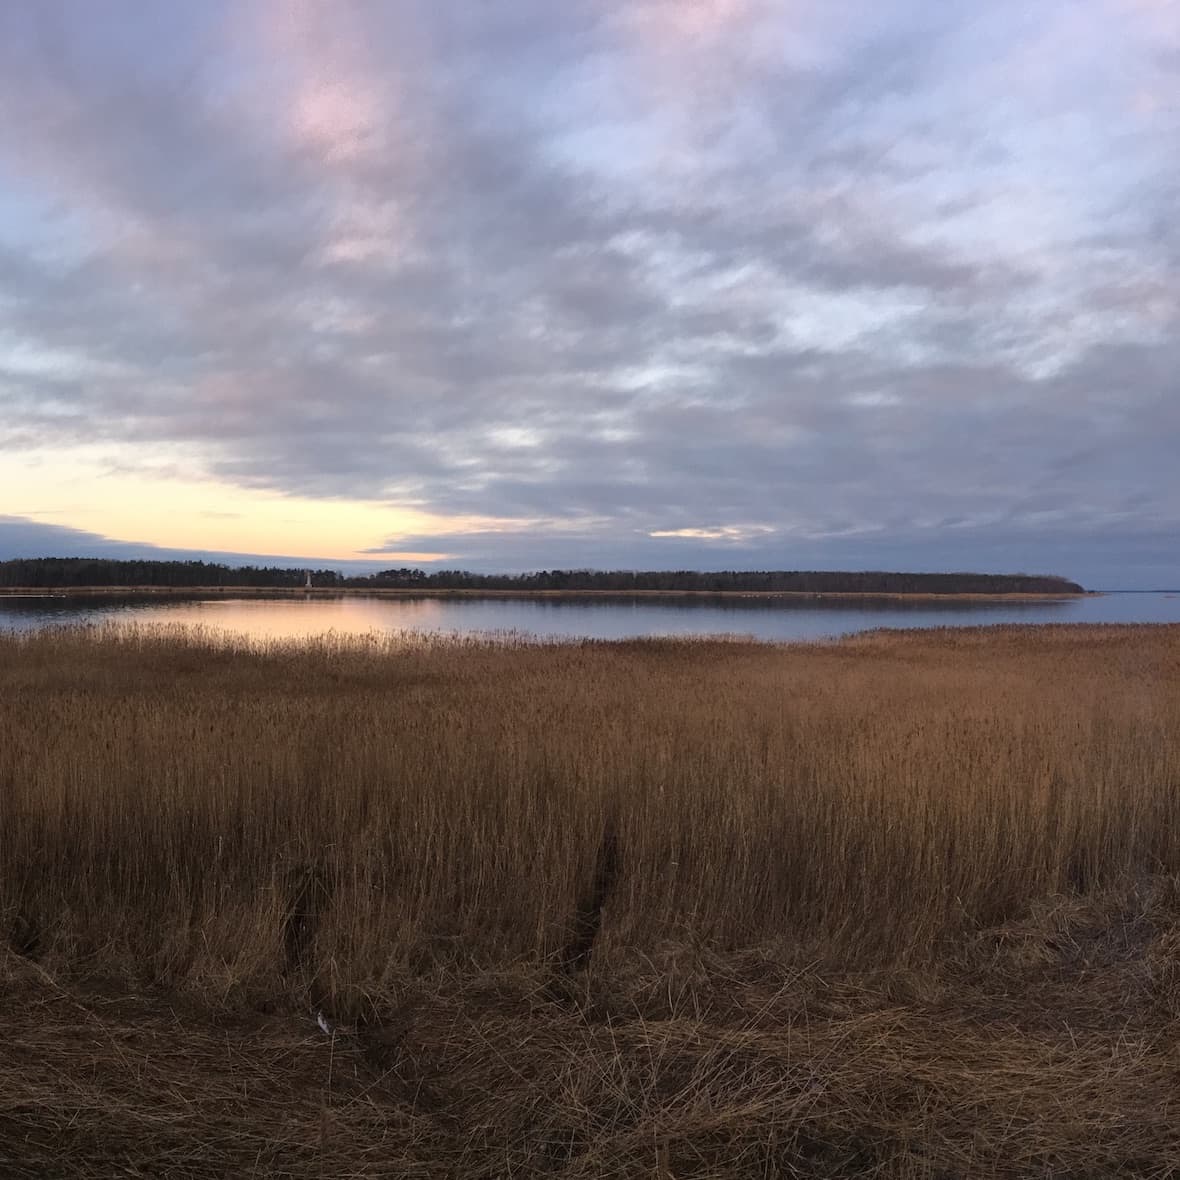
<point>599,617</point>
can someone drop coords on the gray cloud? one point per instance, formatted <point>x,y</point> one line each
<point>616,267</point>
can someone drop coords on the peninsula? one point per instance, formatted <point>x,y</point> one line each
<point>73,574</point>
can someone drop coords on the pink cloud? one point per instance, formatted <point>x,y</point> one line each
<point>333,103</point>
<point>704,21</point>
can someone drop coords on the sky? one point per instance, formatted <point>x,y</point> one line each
<point>660,284</point>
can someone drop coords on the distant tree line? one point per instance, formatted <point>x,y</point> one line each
<point>781,581</point>
<point>66,572</point>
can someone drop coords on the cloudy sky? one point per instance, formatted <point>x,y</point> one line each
<point>646,283</point>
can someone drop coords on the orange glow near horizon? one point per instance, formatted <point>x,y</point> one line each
<point>80,490</point>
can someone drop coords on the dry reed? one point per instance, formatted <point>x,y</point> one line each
<point>849,886</point>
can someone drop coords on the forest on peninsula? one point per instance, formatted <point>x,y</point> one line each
<point>64,573</point>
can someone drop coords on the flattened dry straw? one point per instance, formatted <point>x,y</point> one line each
<point>850,889</point>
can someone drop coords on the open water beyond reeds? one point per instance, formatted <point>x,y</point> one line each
<point>773,619</point>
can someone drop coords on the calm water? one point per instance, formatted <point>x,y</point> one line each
<point>614,618</point>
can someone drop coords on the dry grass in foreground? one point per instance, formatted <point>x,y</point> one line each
<point>901,906</point>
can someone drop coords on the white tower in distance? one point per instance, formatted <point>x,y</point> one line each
<point>307,580</point>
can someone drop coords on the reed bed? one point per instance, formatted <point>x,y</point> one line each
<point>166,797</point>
<point>669,908</point>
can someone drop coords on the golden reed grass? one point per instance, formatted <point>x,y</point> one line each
<point>900,906</point>
<point>166,797</point>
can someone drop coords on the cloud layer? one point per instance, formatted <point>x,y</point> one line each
<point>740,281</point>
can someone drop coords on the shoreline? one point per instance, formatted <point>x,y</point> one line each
<point>389,592</point>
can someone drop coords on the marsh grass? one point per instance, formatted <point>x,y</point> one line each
<point>902,905</point>
<point>166,795</point>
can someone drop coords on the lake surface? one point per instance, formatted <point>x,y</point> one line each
<point>573,618</point>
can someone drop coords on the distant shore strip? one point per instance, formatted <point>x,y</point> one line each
<point>431,592</point>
